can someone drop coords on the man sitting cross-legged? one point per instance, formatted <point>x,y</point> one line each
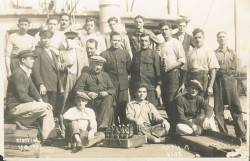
<point>82,125</point>
<point>24,104</point>
<point>194,114</point>
<point>142,114</point>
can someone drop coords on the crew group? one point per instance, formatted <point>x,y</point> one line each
<point>91,81</point>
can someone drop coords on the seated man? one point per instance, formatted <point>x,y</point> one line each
<point>96,86</point>
<point>24,103</point>
<point>142,114</point>
<point>82,125</point>
<point>194,112</point>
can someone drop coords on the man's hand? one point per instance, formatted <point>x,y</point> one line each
<point>84,95</point>
<point>210,91</point>
<point>181,89</point>
<point>139,125</point>
<point>206,124</point>
<point>165,125</point>
<point>195,129</point>
<point>158,91</point>
<point>42,90</point>
<point>103,94</point>
<point>92,95</point>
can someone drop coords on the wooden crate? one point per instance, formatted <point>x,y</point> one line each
<point>135,141</point>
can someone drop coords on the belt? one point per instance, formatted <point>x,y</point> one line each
<point>200,72</point>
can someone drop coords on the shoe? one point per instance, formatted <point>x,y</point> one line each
<point>102,127</point>
<point>243,139</point>
<point>47,142</point>
<point>79,146</point>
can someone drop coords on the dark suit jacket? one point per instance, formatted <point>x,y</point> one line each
<point>45,70</point>
<point>20,89</point>
<point>188,40</point>
<point>117,66</point>
<point>146,68</point>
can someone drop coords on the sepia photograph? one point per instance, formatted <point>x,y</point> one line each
<point>124,79</point>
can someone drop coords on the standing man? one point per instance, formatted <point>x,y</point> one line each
<point>118,68</point>
<point>114,27</point>
<point>225,89</point>
<point>16,43</point>
<point>201,65</point>
<point>173,58</point>
<point>135,37</point>
<point>58,41</point>
<point>182,36</point>
<point>72,61</point>
<point>24,104</point>
<point>91,47</point>
<point>65,22</point>
<point>145,68</point>
<point>45,71</point>
<point>96,86</point>
<point>90,33</point>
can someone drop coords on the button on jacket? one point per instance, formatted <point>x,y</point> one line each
<point>145,68</point>
<point>117,66</point>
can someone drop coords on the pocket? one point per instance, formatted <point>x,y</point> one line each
<point>149,65</point>
<point>124,63</point>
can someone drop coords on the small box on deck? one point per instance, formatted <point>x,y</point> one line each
<point>135,141</point>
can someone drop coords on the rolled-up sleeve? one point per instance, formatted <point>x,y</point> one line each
<point>130,112</point>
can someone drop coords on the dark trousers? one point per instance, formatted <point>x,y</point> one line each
<point>202,77</point>
<point>225,92</point>
<point>170,86</point>
<point>120,110</point>
<point>51,98</point>
<point>104,111</point>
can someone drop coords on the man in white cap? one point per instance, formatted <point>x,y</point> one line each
<point>96,86</point>
<point>194,114</point>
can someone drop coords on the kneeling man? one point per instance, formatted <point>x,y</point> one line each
<point>193,112</point>
<point>142,114</point>
<point>82,125</point>
<point>24,103</point>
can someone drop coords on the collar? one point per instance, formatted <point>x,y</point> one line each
<point>26,70</point>
<point>223,50</point>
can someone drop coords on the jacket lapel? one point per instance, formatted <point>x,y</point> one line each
<point>46,55</point>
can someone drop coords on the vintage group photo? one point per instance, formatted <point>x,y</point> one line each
<point>124,79</point>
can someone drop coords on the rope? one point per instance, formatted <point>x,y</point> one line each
<point>208,14</point>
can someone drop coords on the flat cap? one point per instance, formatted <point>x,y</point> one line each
<point>97,58</point>
<point>197,84</point>
<point>71,34</point>
<point>46,33</point>
<point>26,53</point>
<point>82,96</point>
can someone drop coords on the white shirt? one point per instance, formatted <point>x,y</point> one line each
<point>171,52</point>
<point>201,59</point>
<point>86,118</point>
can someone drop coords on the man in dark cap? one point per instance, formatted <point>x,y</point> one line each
<point>118,69</point>
<point>45,72</point>
<point>82,125</point>
<point>194,114</point>
<point>17,42</point>
<point>24,104</point>
<point>71,62</point>
<point>96,86</point>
